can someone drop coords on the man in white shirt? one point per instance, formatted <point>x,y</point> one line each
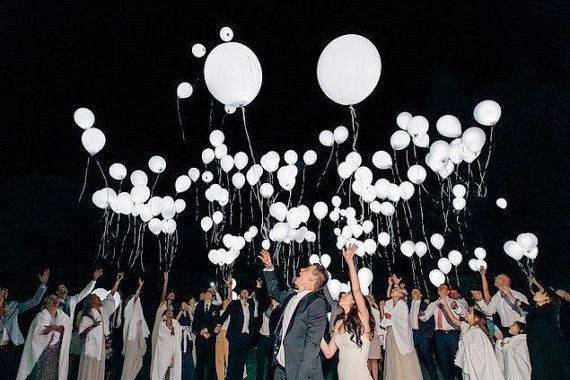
<point>263,349</point>
<point>506,302</point>
<point>302,325</point>
<point>423,333</point>
<point>446,332</point>
<point>241,315</point>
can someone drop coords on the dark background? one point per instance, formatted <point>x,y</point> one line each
<point>124,59</point>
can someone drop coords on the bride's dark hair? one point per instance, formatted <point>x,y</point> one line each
<point>353,325</point>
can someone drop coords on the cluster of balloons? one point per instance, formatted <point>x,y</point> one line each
<point>93,139</point>
<point>478,262</point>
<point>525,245</point>
<point>338,136</point>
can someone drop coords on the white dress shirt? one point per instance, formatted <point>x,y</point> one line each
<point>264,329</point>
<point>287,315</point>
<point>439,317</point>
<point>245,308</point>
<point>414,312</point>
<point>500,306</point>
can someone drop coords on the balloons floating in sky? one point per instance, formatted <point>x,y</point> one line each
<point>84,118</point>
<point>156,164</point>
<point>348,69</point>
<point>487,113</point>
<point>93,140</point>
<point>233,74</point>
<point>184,90</point>
<point>448,126</point>
<point>118,171</point>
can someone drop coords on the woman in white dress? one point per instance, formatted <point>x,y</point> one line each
<point>352,330</point>
<point>512,354</point>
<point>401,361</point>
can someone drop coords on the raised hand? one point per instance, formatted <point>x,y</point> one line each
<point>165,275</point>
<point>97,273</point>
<point>396,280</point>
<point>141,282</point>
<point>120,276</point>
<point>229,282</point>
<point>44,277</point>
<point>349,253</point>
<point>265,258</point>
<point>482,271</point>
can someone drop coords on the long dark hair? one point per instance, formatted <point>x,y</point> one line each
<point>353,325</point>
<point>482,324</point>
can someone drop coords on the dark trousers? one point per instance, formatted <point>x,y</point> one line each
<point>238,347</point>
<point>263,357</point>
<point>279,373</point>
<point>446,344</point>
<point>423,346</point>
<point>205,354</point>
<point>9,361</point>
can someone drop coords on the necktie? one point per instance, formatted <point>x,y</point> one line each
<point>439,318</point>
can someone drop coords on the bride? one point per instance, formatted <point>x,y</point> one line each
<point>352,329</point>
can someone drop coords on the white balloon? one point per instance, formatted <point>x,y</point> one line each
<point>444,265</point>
<point>459,203</point>
<point>421,141</point>
<point>473,265</point>
<point>387,209</point>
<point>233,74</point>
<point>436,277</point>
<point>394,193</point>
<point>399,140</point>
<point>138,177</point>
<point>198,50</point>
<point>420,248</point>
<point>84,118</point>
<point>448,126</point>
<point>266,190</point>
<point>179,205</point>
<point>157,164</point>
<point>336,201</point>
<point>334,288</point>
<point>455,257</point>
<point>227,163</point>
<point>354,159</point>
<point>407,248</point>
<point>220,151</point>
<point>367,226</point>
<point>532,254</point>
<point>416,174</point>
<point>340,134</point>
<point>480,264</point>
<point>480,253</point>
<point>265,244</point>
<point>363,176</point>
<point>344,170</point>
<point>326,138</point>
<point>278,210</point>
<point>290,157</point>
<point>206,223</point>
<point>348,69</point>
<point>382,160</point>
<point>383,239</point>
<point>382,187</point>
<point>406,190</point>
<point>217,217</point>
<point>325,260</point>
<point>155,226</point>
<point>310,157</point>
<point>184,90</point>
<point>270,161</point>
<point>473,139</point>
<point>513,249</point>
<point>487,113</point>
<point>182,183</point>
<point>93,140</point>
<point>437,241</point>
<point>417,126</point>
<point>208,155</point>
<point>226,34</point>
<point>455,152</point>
<point>439,150</point>
<point>314,259</point>
<point>140,193</point>
<point>527,241</point>
<point>501,203</point>
<point>230,109</point>
<point>240,160</point>
<point>216,138</point>
<point>207,176</point>
<point>168,226</point>
<point>320,209</point>
<point>118,171</point>
<point>459,191</point>
<point>238,180</point>
<point>403,119</point>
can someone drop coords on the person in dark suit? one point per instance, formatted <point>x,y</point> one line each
<point>205,319</point>
<point>423,333</point>
<point>240,330</point>
<point>302,325</point>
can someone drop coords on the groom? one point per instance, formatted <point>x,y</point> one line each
<point>299,331</point>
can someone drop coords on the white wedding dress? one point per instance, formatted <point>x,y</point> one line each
<point>352,360</point>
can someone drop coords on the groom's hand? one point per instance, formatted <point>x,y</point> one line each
<point>265,258</point>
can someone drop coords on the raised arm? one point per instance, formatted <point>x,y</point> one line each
<point>486,292</point>
<point>348,255</point>
<point>532,280</point>
<point>270,278</point>
<point>456,321</point>
<point>89,288</point>
<point>120,277</point>
<point>164,287</point>
<point>138,292</point>
<point>23,306</point>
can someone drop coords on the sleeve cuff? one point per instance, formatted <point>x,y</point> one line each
<point>268,269</point>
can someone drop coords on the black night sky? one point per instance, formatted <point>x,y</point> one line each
<point>124,59</point>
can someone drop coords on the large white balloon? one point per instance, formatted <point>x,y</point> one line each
<point>93,140</point>
<point>527,241</point>
<point>455,257</point>
<point>84,118</point>
<point>473,139</point>
<point>233,74</point>
<point>444,265</point>
<point>437,241</point>
<point>403,119</point>
<point>340,134</point>
<point>436,277</point>
<point>399,140</point>
<point>416,174</point>
<point>326,138</point>
<point>448,126</point>
<point>348,69</point>
<point>310,157</point>
<point>118,171</point>
<point>138,177</point>
<point>513,249</point>
<point>418,125</point>
<point>487,113</point>
<point>157,164</point>
<point>382,160</point>
<point>182,183</point>
<point>320,209</point>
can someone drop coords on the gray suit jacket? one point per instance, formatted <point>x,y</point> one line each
<point>303,336</point>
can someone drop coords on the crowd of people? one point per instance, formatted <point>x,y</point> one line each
<point>302,332</point>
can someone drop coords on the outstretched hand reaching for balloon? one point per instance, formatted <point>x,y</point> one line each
<point>349,252</point>
<point>265,258</point>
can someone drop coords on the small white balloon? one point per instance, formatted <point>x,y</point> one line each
<point>421,141</point>
<point>198,50</point>
<point>184,90</point>
<point>444,265</point>
<point>384,239</point>
<point>407,248</point>
<point>84,118</point>
<point>325,260</point>
<point>216,138</point>
<point>436,277</point>
<point>227,163</point>
<point>138,177</point>
<point>336,201</point>
<point>314,259</point>
<point>480,253</point>
<point>93,140</point>
<point>266,190</point>
<point>320,210</point>
<point>437,241</point>
<point>400,140</point>
<point>487,113</point>
<point>226,34</point>
<point>326,138</point>
<point>459,203</point>
<point>474,139</point>
<point>240,160</point>
<point>418,125</point>
<point>310,157</point>
<point>455,257</point>
<point>217,217</point>
<point>182,183</point>
<point>290,157</point>
<point>448,126</point>
<point>207,176</point>
<point>179,205</point>
<point>403,119</point>
<point>118,171</point>
<point>459,191</point>
<point>340,134</point>
<point>417,174</point>
<point>208,155</point>
<point>265,244</point>
<point>157,164</point>
<point>382,160</point>
<point>420,249</point>
<point>501,203</point>
<point>238,180</point>
<point>206,223</point>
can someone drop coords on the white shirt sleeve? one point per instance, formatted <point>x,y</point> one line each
<point>428,313</point>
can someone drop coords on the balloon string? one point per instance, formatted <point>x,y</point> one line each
<point>422,221</point>
<point>180,118</point>
<point>488,159</point>
<point>355,126</point>
<point>457,277</point>
<point>247,135</point>
<point>102,173</point>
<point>326,166</point>
<point>154,184</point>
<point>84,180</point>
